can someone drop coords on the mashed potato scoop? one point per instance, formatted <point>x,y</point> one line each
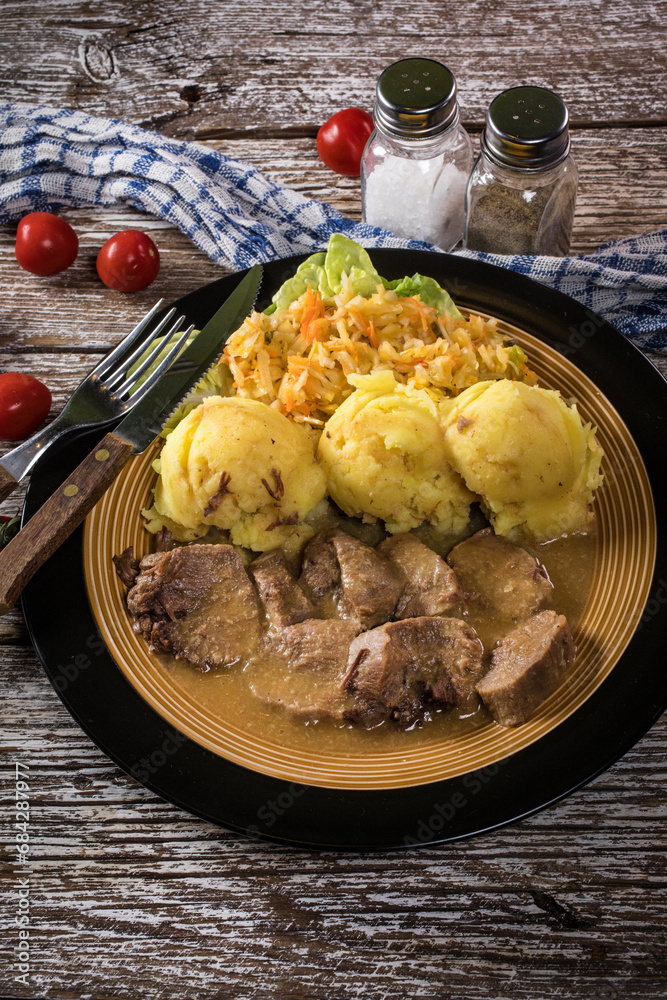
<point>526,454</point>
<point>384,458</point>
<point>239,465</point>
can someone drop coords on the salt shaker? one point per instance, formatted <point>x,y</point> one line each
<point>417,161</point>
<point>522,190</point>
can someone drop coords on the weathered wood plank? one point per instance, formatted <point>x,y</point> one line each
<point>130,896</point>
<point>239,66</point>
<point>284,937</point>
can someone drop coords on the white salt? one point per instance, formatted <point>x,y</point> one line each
<point>417,199</point>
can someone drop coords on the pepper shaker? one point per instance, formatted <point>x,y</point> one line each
<point>522,191</point>
<point>416,163</point>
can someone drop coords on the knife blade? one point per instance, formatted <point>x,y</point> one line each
<point>75,498</point>
<point>143,424</point>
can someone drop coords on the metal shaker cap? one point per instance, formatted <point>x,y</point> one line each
<point>527,127</point>
<point>415,98</point>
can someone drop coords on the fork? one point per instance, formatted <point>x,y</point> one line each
<point>107,393</point>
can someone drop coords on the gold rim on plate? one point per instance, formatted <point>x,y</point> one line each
<point>625,558</point>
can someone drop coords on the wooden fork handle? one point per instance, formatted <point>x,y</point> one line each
<point>7,484</point>
<point>59,516</point>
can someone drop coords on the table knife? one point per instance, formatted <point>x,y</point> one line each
<point>75,498</point>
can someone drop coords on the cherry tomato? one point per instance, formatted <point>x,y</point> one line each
<point>45,243</point>
<point>341,140</point>
<point>129,261</point>
<point>24,405</point>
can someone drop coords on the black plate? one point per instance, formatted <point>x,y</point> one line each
<point>122,724</point>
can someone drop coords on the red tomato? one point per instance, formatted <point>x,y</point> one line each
<point>24,405</point>
<point>45,243</point>
<point>129,261</point>
<point>341,140</point>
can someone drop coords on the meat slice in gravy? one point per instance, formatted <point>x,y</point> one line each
<point>502,578</point>
<point>284,601</point>
<point>301,668</point>
<point>320,572</point>
<point>353,663</point>
<point>197,602</point>
<point>396,670</point>
<point>526,667</point>
<point>371,586</point>
<point>367,585</point>
<point>430,586</point>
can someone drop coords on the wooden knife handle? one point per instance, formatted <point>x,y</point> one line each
<point>7,484</point>
<point>59,516</point>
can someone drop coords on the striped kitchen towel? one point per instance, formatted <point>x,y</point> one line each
<point>238,216</point>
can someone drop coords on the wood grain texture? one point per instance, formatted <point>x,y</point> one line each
<point>130,897</point>
<point>244,67</point>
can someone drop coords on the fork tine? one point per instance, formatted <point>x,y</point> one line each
<point>154,353</point>
<point>110,359</point>
<point>162,367</point>
<point>121,372</point>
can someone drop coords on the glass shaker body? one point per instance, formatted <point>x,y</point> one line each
<point>522,191</point>
<point>519,211</point>
<point>416,163</point>
<point>416,187</point>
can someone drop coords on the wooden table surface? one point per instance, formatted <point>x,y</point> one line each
<point>129,896</point>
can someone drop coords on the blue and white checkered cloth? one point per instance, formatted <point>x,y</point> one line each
<point>238,216</point>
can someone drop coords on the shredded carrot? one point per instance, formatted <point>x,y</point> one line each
<point>298,358</point>
<point>314,310</point>
<point>421,309</point>
<point>412,361</point>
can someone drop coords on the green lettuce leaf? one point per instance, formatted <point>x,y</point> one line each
<point>344,256</point>
<point>428,290</point>
<point>311,272</point>
<point>324,273</point>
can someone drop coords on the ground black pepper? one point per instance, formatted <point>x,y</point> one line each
<point>522,190</point>
<point>507,220</point>
<point>502,221</point>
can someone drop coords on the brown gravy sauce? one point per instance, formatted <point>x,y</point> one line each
<point>226,695</point>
